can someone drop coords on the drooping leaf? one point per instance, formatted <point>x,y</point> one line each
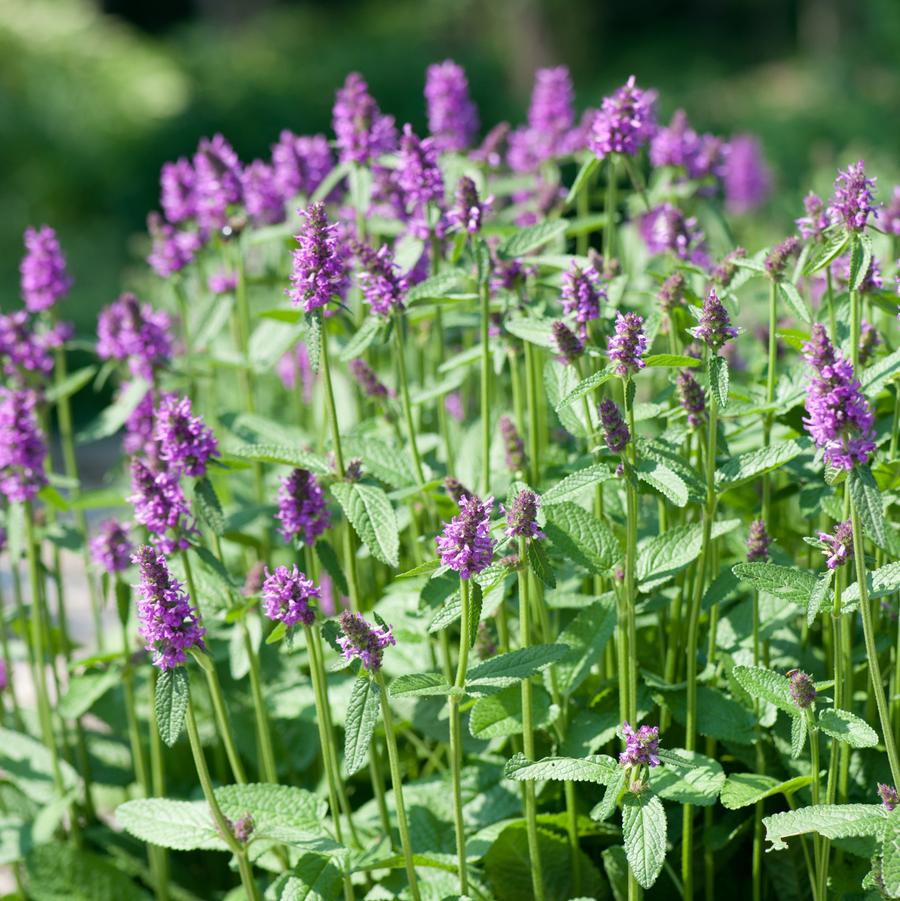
<point>419,685</point>
<point>880,582</point>
<point>598,768</point>
<point>664,480</point>
<point>283,813</point>
<point>573,485</point>
<point>581,537</point>
<point>699,785</point>
<point>507,669</point>
<point>359,725</point>
<point>798,304</point>
<point>787,582</point>
<point>540,564</point>
<point>829,820</point>
<point>866,498</point>
<point>745,789</point>
<point>644,830</point>
<point>847,727</point>
<point>286,456</point>
<point>361,339</point>
<point>314,877</point>
<point>752,464</point>
<point>535,331</point>
<point>372,516</point>
<point>172,699</point>
<point>209,507</point>
<point>767,685</point>
<point>113,417</point>
<point>717,375</point>
<point>178,825</point>
<point>662,556</point>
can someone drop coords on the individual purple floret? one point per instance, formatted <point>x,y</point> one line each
<point>178,198</point>
<point>452,117</point>
<point>715,328</point>
<point>521,518</point>
<point>803,689</point>
<point>812,226</point>
<point>840,420</point>
<point>168,623</point>
<point>626,121</point>
<point>675,144</point>
<point>466,545</point>
<point>302,510</point>
<point>665,229</point>
<point>172,249</point>
<point>218,183</point>
<point>758,541</point>
<point>138,438</point>
<point>319,272</point>
<point>160,506</point>
<point>839,544</point>
<point>286,595</point>
<point>368,381</point>
<point>185,443</point>
<point>777,259</point>
<point>640,746</point>
<point>301,163</point>
<point>363,641</point>
<point>23,450</point>
<point>615,431</point>
<point>44,279</point>
<point>362,131</point>
<point>745,177</point>
<point>383,286</point>
<point>581,295</point>
<point>468,210</point>
<point>723,273</point>
<point>567,343</point>
<point>263,198</point>
<point>691,397</point>
<point>889,796</point>
<point>671,292</point>
<point>139,333</point>
<point>852,202</point>
<point>513,445</point>
<point>111,548</point>
<point>627,344</point>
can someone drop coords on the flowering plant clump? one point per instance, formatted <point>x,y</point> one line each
<point>333,360</point>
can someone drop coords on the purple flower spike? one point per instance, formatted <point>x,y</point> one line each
<point>368,381</point>
<point>665,229</point>
<point>758,541</point>
<point>178,184</point>
<point>139,333</point>
<point>640,746</point>
<point>363,641</point>
<point>168,623</point>
<point>521,518</point>
<point>615,431</point>
<point>715,328</point>
<point>723,273</point>
<point>888,795</point>
<point>466,545</point>
<point>852,202</point>
<point>746,177</point>
<point>513,445</point>
<point>160,506</point>
<point>468,212</point>
<point>22,447</point>
<point>691,397</point>
<point>812,226</point>
<point>24,347</point>
<point>219,181</point>
<point>263,198</point>
<point>184,441</point>
<point>803,689</point>
<point>567,343</point>
<point>320,262</point>
<point>172,250</point>
<point>628,344</point>
<point>671,292</point>
<point>777,259</point>
<point>361,129</point>
<point>419,177</point>
<point>626,121</point>
<point>43,270</point>
<point>300,163</point>
<point>111,549</point>
<point>383,285</point>
<point>839,544</point>
<point>452,117</point>
<point>581,295</point>
<point>302,510</point>
<point>286,594</point>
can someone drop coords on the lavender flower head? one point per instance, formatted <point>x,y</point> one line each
<point>138,438</point>
<point>521,518</point>
<point>139,333</point>
<point>111,548</point>
<point>466,545</point>
<point>640,746</point>
<point>44,279</point>
<point>551,115</point>
<point>671,292</point>
<point>838,544</point>
<point>172,249</point>
<point>22,447</point>
<point>302,510</point>
<point>452,117</point>
<point>802,688</point>
<point>626,121</point>
<point>218,181</point>
<point>715,328</point>
<point>178,183</point>
<point>367,379</point>
<point>363,641</point>
<point>615,431</point>
<point>300,163</point>
<point>888,795</point>
<point>160,506</point>
<point>777,258</point>
<point>25,347</point>
<point>628,344</point>
<point>723,273</point>
<point>168,623</point>
<point>691,397</point>
<point>758,541</point>
<point>513,445</point>
<point>568,344</point>
<point>468,211</point>
<point>745,177</point>
<point>581,295</point>
<point>263,198</point>
<point>419,176</point>
<point>362,131</point>
<point>185,443</point>
<point>383,285</point>
<point>665,229</point>
<point>320,262</point>
<point>812,226</point>
<point>286,595</point>
<point>852,202</point>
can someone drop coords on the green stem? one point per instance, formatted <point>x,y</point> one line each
<point>456,738</point>
<point>829,300</point>
<point>263,731</point>
<point>181,300</point>
<point>769,417</point>
<point>404,397</point>
<point>609,243</point>
<point>631,531</point>
<point>855,326</point>
<point>534,432</point>
<point>485,294</point>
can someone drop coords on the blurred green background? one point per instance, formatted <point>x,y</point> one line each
<point>95,96</point>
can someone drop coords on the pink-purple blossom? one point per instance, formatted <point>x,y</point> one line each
<point>691,397</point>
<point>745,175</point>
<point>465,545</point>
<point>628,344</point>
<point>581,295</point>
<point>838,544</point>
<point>160,506</point>
<point>521,517</point>
<point>625,122</point>
<point>853,201</point>
<point>363,132</point>
<point>44,277</point>
<point>452,117</point>
<point>758,541</point>
<point>218,184</point>
<point>136,332</point>
<point>301,163</point>
<point>23,450</point>
<point>715,328</point>
<point>360,640</point>
<point>665,229</point>
<point>178,184</point>
<point>641,746</point>
<point>319,273</point>
<point>302,510</point>
<point>383,285</point>
<point>185,442</point>
<point>111,548</point>
<point>287,595</point>
<point>615,431</point>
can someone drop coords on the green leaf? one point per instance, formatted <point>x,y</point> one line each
<point>745,789</point>
<point>282,455</point>
<point>420,685</point>
<point>113,417</point>
<point>881,582</point>
<point>313,340</point>
<point>752,464</point>
<point>661,557</point>
<point>281,813</point>
<point>787,582</point>
<point>209,507</point>
<point>666,482</point>
<point>598,768</point>
<point>860,260</point>
<point>819,596</point>
<point>361,339</point>
<point>61,872</point>
<point>372,516</point>
<point>581,537</point>
<point>586,386</point>
<point>718,716</point>
<point>798,736</point>
<point>499,715</point>
<point>829,820</point>
<point>866,499</point>
<point>70,385</point>
<point>540,563</point>
<point>671,361</point>
<point>847,727</point>
<point>582,179</point>
<point>331,181</point>
<point>607,805</point>
<point>644,830</point>
<point>717,374</point>
<point>313,878</point>
<point>85,690</point>
<point>27,764</point>
<point>434,286</point>
<point>507,669</point>
<point>699,785</point>
<point>767,686</point>
<point>172,697</point>
<point>798,304</point>
<point>875,376</point>
<point>890,859</point>
<point>527,239</point>
<point>532,330</point>
<point>178,825</point>
<point>823,254</point>
<point>362,715</point>
<point>573,485</point>
<point>386,462</point>
<point>586,635</point>
<point>615,865</point>
<point>329,559</point>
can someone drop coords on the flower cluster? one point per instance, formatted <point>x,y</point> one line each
<point>300,163</point>
<point>838,544</point>
<point>513,445</point>
<point>691,397</point>
<point>626,121</point>
<point>383,286</point>
<point>319,273</point>
<point>665,229</point>
<point>160,506</point>
<point>628,344</point>
<point>521,518</point>
<point>452,117</point>
<point>136,332</point>
<point>302,510</point>
<point>468,210</point>
<point>802,688</point>
<point>777,258</point>
<point>27,346</point>
<point>22,447</point>
<point>889,797</point>
<point>640,746</point>
<point>813,225</point>
<point>466,545</point>
<point>360,640</point>
<point>111,548</point>
<point>362,131</point>
<point>581,295</point>
<point>852,202</point>
<point>367,379</point>
<point>745,176</point>
<point>615,431</point>
<point>671,292</point>
<point>758,541</point>
<point>185,443</point>
<point>715,328</point>
<point>568,344</point>
<point>286,595</point>
<point>43,270</point>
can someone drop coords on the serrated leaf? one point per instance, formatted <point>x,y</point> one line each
<point>866,499</point>
<point>664,480</point>
<point>419,685</point>
<point>313,341</point>
<point>880,582</point>
<point>847,727</point>
<point>283,813</point>
<point>527,239</point>
<point>532,330</point>
<point>661,557</point>
<point>85,690</point>
<point>172,699</point>
<point>540,564</point>
<point>586,635</point>
<point>829,820</point>
<point>573,485</point>
<point>27,764</point>
<point>283,455</point>
<point>644,830</point>
<point>57,871</point>
<point>598,768</point>
<point>499,715</point>
<point>752,464</point>
<point>372,516</point>
<point>434,286</point>
<point>607,805</point>
<point>699,785</point>
<point>209,507</point>
<point>787,582</point>
<point>718,716</point>
<point>767,686</point>
<point>671,361</point>
<point>745,789</point>
<point>585,386</point>
<point>890,859</point>
<point>823,254</point>
<point>386,462</point>
<point>717,376</point>
<point>875,376</point>
<point>581,537</point>
<point>798,736</point>
<point>798,304</point>
<point>361,339</point>
<point>178,825</point>
<point>507,669</point>
<point>819,596</point>
<point>362,715</point>
<point>313,878</point>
